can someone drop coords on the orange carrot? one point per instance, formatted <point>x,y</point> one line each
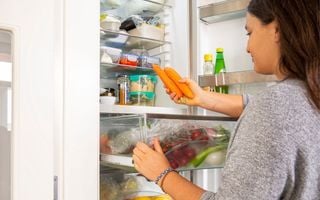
<point>173,75</point>
<point>167,81</point>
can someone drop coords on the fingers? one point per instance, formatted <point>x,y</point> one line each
<point>136,160</point>
<point>138,153</point>
<point>183,100</point>
<point>157,146</point>
<point>143,147</point>
<point>185,80</point>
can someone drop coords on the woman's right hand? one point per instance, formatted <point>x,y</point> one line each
<point>197,91</point>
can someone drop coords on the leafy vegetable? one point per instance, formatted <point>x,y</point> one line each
<point>202,155</point>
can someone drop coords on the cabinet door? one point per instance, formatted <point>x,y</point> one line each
<point>27,68</point>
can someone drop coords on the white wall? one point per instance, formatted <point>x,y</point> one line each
<point>231,36</point>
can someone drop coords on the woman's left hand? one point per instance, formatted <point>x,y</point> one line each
<point>149,162</point>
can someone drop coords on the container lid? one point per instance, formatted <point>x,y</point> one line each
<point>208,57</point>
<point>219,50</point>
<point>153,78</point>
<point>148,95</point>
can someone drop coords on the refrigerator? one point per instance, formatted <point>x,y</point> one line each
<point>56,80</point>
<point>192,29</point>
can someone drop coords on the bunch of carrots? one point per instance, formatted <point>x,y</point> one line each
<point>170,79</point>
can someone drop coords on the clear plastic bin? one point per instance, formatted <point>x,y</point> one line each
<point>147,61</point>
<point>142,98</point>
<point>108,53</point>
<point>129,59</point>
<point>142,83</point>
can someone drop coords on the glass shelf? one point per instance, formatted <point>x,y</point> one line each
<point>127,42</point>
<point>126,8</point>
<point>123,109</point>
<point>112,70</point>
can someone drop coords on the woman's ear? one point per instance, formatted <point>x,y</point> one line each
<point>277,33</point>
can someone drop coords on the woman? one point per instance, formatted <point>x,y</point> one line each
<point>274,150</point>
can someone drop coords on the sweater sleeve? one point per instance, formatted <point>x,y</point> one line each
<point>208,196</point>
<point>257,161</point>
<point>245,99</point>
<point>257,165</point>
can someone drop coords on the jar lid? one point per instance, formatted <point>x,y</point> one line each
<point>208,57</point>
<point>122,75</point>
<point>136,77</point>
<point>219,50</point>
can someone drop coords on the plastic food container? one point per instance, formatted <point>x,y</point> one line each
<point>142,83</point>
<point>129,59</point>
<point>146,61</point>
<point>148,31</point>
<point>142,98</point>
<point>110,23</point>
<point>109,52</point>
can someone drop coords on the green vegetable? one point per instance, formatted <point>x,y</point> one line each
<point>202,155</point>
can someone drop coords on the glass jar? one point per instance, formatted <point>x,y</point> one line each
<point>123,89</point>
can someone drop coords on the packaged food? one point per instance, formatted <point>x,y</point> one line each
<point>142,98</point>
<point>113,53</point>
<point>147,61</point>
<point>142,83</point>
<point>148,31</point>
<point>191,144</point>
<point>107,92</point>
<point>108,22</point>
<point>129,59</point>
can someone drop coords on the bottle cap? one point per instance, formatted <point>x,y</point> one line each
<point>208,57</point>
<point>219,50</point>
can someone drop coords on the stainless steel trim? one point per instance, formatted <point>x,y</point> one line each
<point>232,78</point>
<point>190,117</point>
<point>168,116</point>
<point>225,10</point>
<point>194,45</point>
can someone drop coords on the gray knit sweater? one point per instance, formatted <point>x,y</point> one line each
<point>274,152</point>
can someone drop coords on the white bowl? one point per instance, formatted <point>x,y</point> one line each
<point>108,100</point>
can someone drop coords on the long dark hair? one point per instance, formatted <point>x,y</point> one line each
<point>299,26</point>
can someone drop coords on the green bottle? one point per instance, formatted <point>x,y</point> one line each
<point>220,68</point>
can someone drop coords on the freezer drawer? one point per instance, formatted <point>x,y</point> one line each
<point>189,142</point>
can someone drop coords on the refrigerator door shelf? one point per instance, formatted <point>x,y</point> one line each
<point>224,10</point>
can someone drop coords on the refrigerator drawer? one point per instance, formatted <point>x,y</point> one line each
<point>189,142</point>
